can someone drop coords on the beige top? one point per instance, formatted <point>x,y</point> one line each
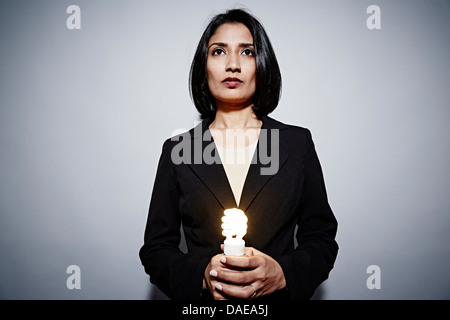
<point>236,162</point>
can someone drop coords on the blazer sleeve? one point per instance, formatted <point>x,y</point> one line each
<point>312,260</point>
<point>179,275</point>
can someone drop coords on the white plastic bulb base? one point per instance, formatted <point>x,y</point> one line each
<point>234,247</point>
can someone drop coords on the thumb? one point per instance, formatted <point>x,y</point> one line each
<point>248,251</point>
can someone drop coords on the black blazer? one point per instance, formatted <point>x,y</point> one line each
<point>194,195</point>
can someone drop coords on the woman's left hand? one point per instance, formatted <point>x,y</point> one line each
<point>250,276</point>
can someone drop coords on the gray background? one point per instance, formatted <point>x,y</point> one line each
<point>83,114</point>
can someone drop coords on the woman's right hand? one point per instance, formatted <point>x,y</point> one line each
<point>218,264</point>
<point>209,280</point>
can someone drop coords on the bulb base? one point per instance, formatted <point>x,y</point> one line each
<point>234,247</point>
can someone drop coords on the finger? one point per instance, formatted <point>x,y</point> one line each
<point>245,262</point>
<point>212,283</point>
<point>216,261</point>
<point>248,251</point>
<point>217,294</point>
<point>236,291</point>
<point>255,251</point>
<point>234,276</point>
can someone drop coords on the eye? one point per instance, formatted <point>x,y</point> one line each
<point>248,52</point>
<point>218,51</point>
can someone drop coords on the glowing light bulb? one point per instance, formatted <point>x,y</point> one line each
<point>234,228</point>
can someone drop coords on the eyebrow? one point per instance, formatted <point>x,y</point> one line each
<point>223,44</point>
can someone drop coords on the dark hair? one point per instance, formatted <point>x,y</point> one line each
<point>268,75</point>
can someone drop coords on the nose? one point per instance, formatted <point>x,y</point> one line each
<point>233,64</point>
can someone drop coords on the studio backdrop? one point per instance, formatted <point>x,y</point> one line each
<point>89,90</point>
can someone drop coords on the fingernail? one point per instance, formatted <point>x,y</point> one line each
<point>223,260</point>
<point>218,286</point>
<point>213,273</point>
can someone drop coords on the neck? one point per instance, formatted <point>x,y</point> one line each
<point>227,118</point>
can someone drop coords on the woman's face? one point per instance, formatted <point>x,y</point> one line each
<point>231,66</point>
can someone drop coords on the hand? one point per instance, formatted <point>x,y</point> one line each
<point>210,282</point>
<point>253,275</point>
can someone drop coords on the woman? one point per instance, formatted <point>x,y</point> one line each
<point>238,157</point>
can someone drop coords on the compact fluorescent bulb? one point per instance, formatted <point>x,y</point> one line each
<point>234,228</point>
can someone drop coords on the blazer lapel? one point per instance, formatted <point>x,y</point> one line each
<point>206,164</point>
<point>268,142</point>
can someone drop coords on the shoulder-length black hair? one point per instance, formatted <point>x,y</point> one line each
<point>268,75</point>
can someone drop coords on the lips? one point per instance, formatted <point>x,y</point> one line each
<point>232,82</point>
